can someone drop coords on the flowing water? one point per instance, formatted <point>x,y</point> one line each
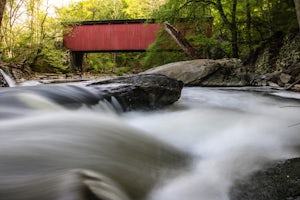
<point>194,149</point>
<point>230,133</point>
<point>7,78</point>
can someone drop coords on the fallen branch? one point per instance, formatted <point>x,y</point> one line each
<point>292,85</point>
<point>189,50</point>
<point>13,67</point>
<point>18,65</point>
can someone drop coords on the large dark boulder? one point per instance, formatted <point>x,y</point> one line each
<point>277,181</point>
<point>144,91</point>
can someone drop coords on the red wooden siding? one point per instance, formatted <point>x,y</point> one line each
<point>110,37</point>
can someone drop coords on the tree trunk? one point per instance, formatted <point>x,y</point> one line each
<point>234,31</point>
<point>270,21</point>
<point>232,25</point>
<point>248,25</point>
<point>2,7</point>
<point>188,49</point>
<point>234,42</point>
<point>114,56</point>
<point>297,6</point>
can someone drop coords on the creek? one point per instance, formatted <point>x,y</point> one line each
<point>226,133</point>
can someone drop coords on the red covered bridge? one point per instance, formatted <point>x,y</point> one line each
<point>109,36</point>
<point>112,35</point>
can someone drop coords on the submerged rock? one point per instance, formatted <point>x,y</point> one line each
<point>205,72</point>
<point>277,181</point>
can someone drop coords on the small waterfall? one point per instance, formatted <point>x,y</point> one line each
<point>6,81</point>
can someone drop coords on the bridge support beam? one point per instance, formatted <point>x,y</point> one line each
<point>77,61</point>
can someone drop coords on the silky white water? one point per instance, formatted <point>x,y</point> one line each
<point>8,79</point>
<point>231,133</point>
<point>225,134</point>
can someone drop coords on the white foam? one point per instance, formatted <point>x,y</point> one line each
<point>231,134</point>
<point>8,79</point>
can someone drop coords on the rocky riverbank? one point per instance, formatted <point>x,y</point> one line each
<point>276,64</point>
<point>277,181</point>
<point>228,72</point>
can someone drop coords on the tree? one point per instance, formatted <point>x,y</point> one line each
<point>231,24</point>
<point>136,9</point>
<point>2,7</point>
<point>297,6</point>
<point>10,27</point>
<point>175,9</point>
<point>238,26</point>
<point>248,25</point>
<point>86,10</point>
<point>30,34</point>
<point>227,12</point>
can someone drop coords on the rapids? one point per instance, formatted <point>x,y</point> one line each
<point>229,132</point>
<point>192,150</point>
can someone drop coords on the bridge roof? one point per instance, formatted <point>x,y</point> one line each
<point>117,21</point>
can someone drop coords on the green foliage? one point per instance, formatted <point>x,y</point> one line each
<point>86,10</point>
<point>30,33</point>
<point>118,63</point>
<point>33,36</point>
<point>283,16</point>
<point>157,58</point>
<point>99,63</point>
<point>163,50</point>
<point>175,10</point>
<point>136,9</point>
<point>238,25</point>
<point>56,58</point>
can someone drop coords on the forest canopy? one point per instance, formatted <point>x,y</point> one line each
<point>31,32</point>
